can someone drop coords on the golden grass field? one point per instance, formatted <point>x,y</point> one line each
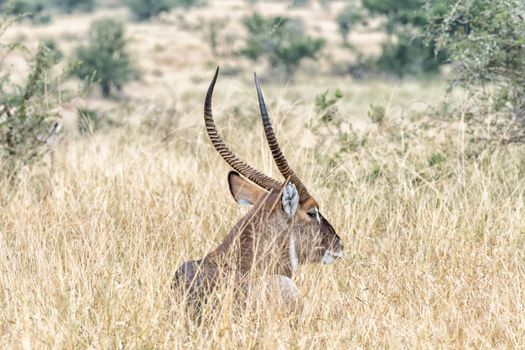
<point>434,254</point>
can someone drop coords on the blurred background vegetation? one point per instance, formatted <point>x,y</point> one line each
<point>477,46</point>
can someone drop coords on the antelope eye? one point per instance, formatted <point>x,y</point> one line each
<point>311,214</point>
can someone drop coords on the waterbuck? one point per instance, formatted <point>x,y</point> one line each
<point>283,229</point>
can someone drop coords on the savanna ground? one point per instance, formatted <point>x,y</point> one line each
<point>434,233</point>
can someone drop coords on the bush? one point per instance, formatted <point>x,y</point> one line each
<point>408,56</point>
<point>145,9</point>
<point>213,34</point>
<point>30,9</point>
<point>405,51</point>
<point>377,113</point>
<point>485,41</point>
<point>282,41</point>
<point>300,3</point>
<point>39,11</point>
<point>75,5</point>
<point>188,3</point>
<point>28,113</point>
<point>347,18</point>
<point>55,53</point>
<point>21,7</point>
<point>326,106</point>
<point>105,59</point>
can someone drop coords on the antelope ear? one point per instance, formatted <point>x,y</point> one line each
<point>244,192</point>
<point>290,199</point>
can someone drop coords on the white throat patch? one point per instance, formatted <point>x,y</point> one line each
<point>317,216</point>
<point>292,251</point>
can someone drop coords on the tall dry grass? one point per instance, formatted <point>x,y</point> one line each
<point>434,254</point>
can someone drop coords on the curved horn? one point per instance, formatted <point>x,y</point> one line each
<point>235,162</point>
<point>278,156</point>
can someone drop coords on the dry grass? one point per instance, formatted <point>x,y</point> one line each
<point>434,254</point>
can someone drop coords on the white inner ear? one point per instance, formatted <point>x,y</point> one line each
<point>290,199</point>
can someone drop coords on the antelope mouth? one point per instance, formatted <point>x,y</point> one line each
<point>330,257</point>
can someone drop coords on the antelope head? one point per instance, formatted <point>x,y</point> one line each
<point>284,206</point>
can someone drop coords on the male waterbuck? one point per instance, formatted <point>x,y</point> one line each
<point>284,228</point>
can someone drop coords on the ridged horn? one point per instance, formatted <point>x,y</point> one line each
<point>277,154</point>
<point>235,162</point>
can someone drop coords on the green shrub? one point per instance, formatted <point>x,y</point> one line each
<point>54,51</point>
<point>39,11</point>
<point>405,51</point>
<point>377,113</point>
<point>300,3</point>
<point>408,56</point>
<point>188,3</point>
<point>326,4</point>
<point>212,33</point>
<point>105,59</point>
<point>146,9</point>
<point>485,41</point>
<point>75,5</point>
<point>21,7</point>
<point>283,42</point>
<point>326,106</point>
<point>30,9</point>
<point>28,113</point>
<point>435,159</point>
<point>347,18</point>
